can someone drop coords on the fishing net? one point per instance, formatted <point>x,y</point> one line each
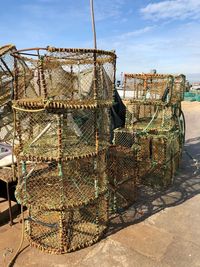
<point>62,121</point>
<point>179,88</point>
<point>158,157</point>
<point>6,73</point>
<point>6,114</point>
<point>6,124</point>
<point>58,75</point>
<point>122,176</point>
<point>52,134</point>
<point>150,87</point>
<point>67,201</point>
<point>148,116</point>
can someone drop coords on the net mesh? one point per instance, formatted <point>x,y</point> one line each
<point>154,88</point>
<point>68,74</point>
<point>49,134</point>
<point>6,114</point>
<point>158,158</point>
<point>122,177</point>
<point>6,73</point>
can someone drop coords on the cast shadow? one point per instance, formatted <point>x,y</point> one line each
<point>151,201</point>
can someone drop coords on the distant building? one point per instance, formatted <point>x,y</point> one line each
<point>195,86</point>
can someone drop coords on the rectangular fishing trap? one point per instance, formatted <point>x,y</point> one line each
<point>154,128</point>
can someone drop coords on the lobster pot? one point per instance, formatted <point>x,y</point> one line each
<point>124,137</point>
<point>54,133</point>
<point>66,200</point>
<point>6,125</point>
<point>122,177</point>
<point>141,115</point>
<point>64,74</point>
<point>179,88</point>
<point>158,158</point>
<point>150,87</point>
<point>6,73</point>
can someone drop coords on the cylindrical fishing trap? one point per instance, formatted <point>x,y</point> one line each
<point>62,101</point>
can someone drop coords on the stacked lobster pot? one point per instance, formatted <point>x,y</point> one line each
<point>154,128</point>
<point>62,102</point>
<point>6,114</point>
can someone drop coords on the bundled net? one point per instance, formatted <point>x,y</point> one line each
<point>6,73</point>
<point>62,122</point>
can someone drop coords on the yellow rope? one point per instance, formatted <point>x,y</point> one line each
<point>10,264</point>
<point>31,110</point>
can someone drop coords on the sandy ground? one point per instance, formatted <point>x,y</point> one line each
<point>160,230</point>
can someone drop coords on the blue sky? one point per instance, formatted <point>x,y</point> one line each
<point>146,34</point>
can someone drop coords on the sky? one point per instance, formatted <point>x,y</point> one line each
<point>146,34</point>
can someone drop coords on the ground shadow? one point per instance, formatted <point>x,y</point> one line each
<point>151,201</point>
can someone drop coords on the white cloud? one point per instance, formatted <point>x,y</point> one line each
<point>172,9</point>
<point>136,32</point>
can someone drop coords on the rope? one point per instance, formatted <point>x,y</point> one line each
<point>154,115</point>
<point>197,163</point>
<point>10,264</point>
<point>29,110</point>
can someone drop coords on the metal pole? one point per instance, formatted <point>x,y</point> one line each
<point>93,23</point>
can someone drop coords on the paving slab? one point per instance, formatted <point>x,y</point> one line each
<point>145,239</point>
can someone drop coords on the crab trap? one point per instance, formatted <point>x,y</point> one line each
<point>66,200</point>
<point>54,76</point>
<point>62,121</point>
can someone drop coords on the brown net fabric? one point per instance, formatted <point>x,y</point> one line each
<point>179,87</point>
<point>62,100</point>
<point>158,158</point>
<point>150,87</point>
<point>122,176</point>
<point>67,202</point>
<point>141,116</point>
<point>6,73</point>
<point>50,134</point>
<point>6,124</point>
<point>65,74</point>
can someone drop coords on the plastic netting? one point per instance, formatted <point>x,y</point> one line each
<point>154,129</point>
